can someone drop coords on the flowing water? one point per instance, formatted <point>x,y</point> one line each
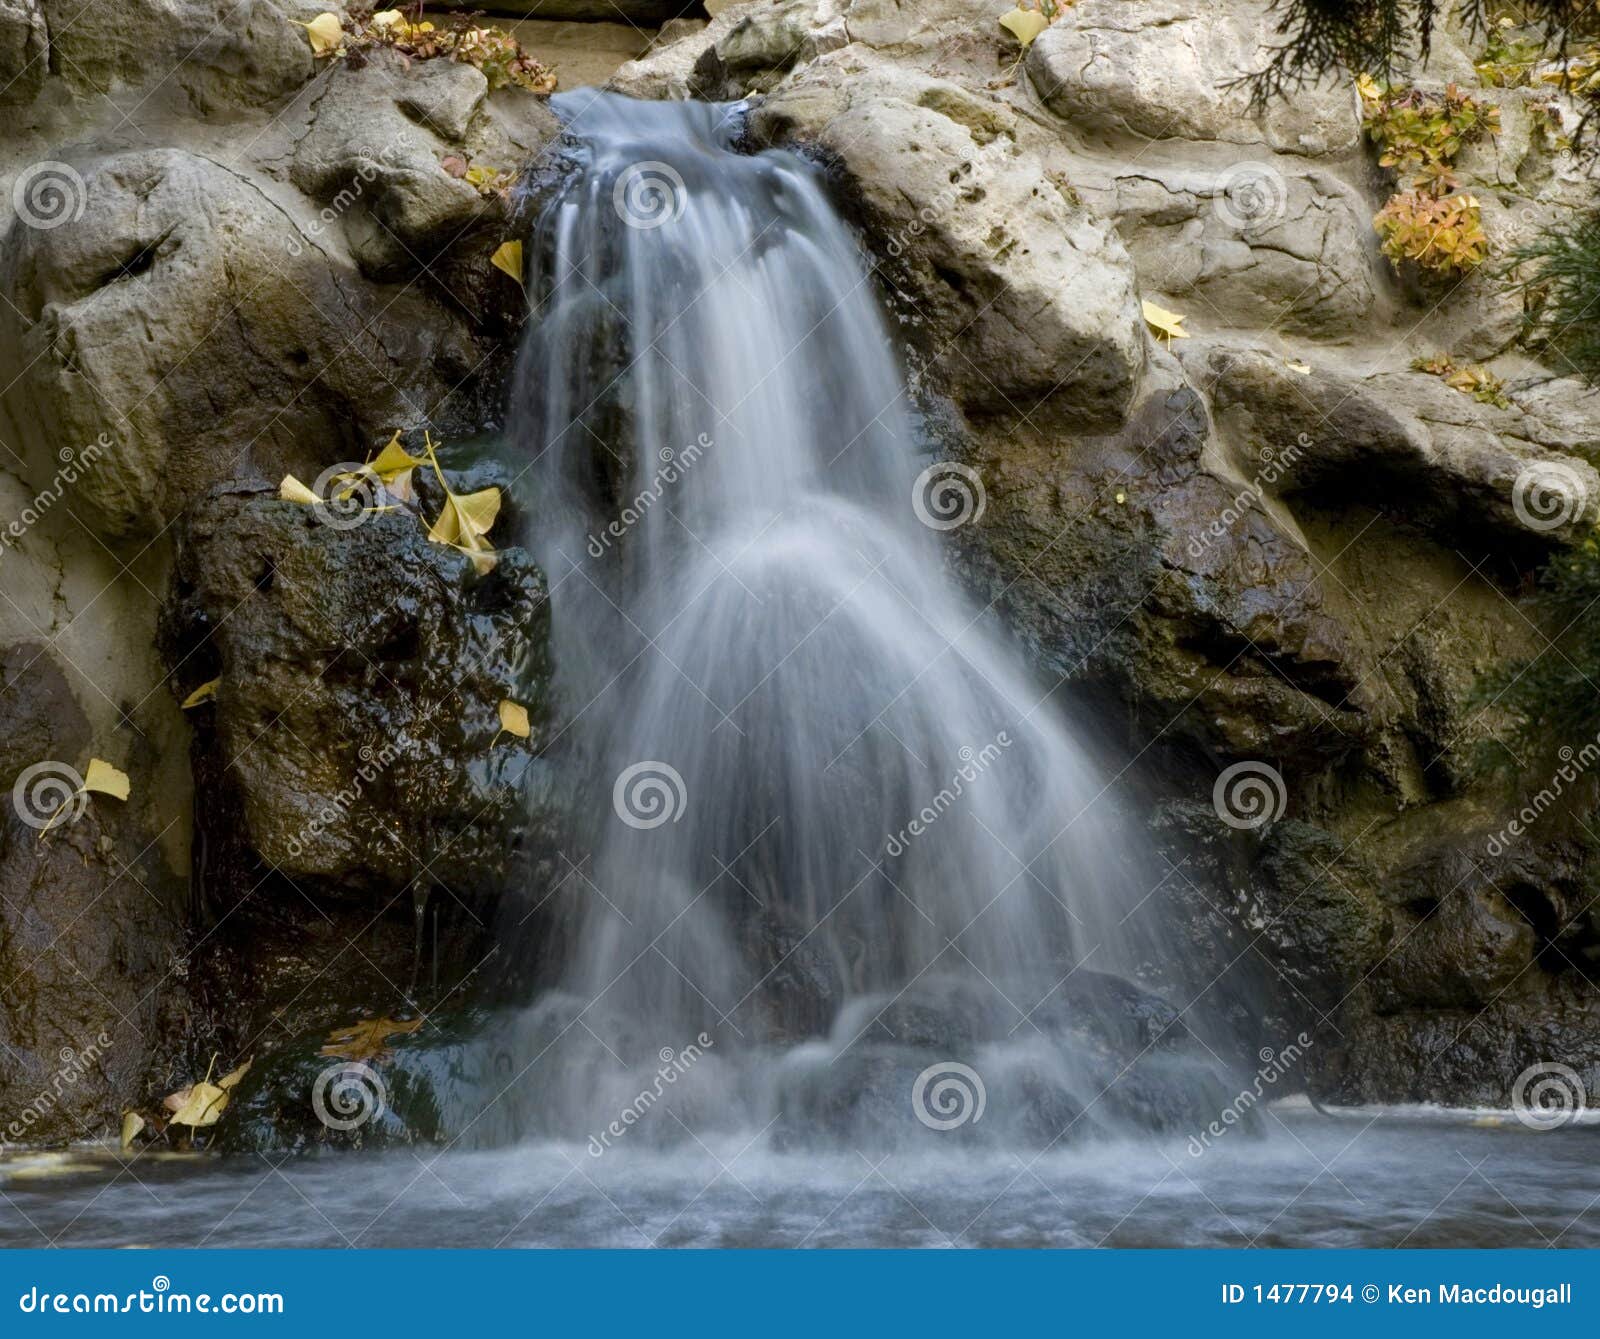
<point>832,829</point>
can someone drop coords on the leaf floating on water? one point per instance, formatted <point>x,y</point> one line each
<point>204,693</point>
<point>1165,323</point>
<point>1024,25</point>
<point>132,1123</point>
<point>365,1040</point>
<point>514,719</point>
<point>325,34</point>
<point>508,259</point>
<point>104,779</point>
<point>292,490</point>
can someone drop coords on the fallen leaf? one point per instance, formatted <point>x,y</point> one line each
<point>1164,322</point>
<point>385,19</point>
<point>228,1080</point>
<point>204,693</point>
<point>514,719</point>
<point>466,518</point>
<point>1304,369</point>
<point>364,1040</point>
<point>508,258</point>
<point>393,468</point>
<point>104,779</point>
<point>325,34</point>
<point>132,1123</point>
<point>1024,25</point>
<point>197,1106</point>
<point>292,490</point>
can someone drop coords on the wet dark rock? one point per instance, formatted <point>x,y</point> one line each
<point>361,670</point>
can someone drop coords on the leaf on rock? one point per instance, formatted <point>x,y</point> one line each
<point>1295,365</point>
<point>1024,25</point>
<point>466,519</point>
<point>1165,323</point>
<point>364,1040</point>
<point>514,719</point>
<point>228,1080</point>
<point>325,33</point>
<point>104,779</point>
<point>292,490</point>
<point>204,693</point>
<point>132,1123</point>
<point>508,259</point>
<point>197,1106</point>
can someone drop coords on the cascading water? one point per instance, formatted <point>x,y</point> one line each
<point>832,835</point>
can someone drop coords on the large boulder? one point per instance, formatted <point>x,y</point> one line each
<point>1021,293</point>
<point>360,669</point>
<point>190,320</point>
<point>24,50</point>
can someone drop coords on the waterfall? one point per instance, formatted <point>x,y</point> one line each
<point>830,834</point>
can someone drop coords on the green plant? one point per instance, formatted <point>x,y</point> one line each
<point>1559,272</point>
<point>1508,61</point>
<point>1444,235</point>
<point>493,50</point>
<point>1416,131</point>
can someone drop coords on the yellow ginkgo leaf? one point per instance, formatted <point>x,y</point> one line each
<point>228,1080</point>
<point>1024,25</point>
<point>466,519</point>
<point>132,1123</point>
<point>479,510</point>
<point>514,719</point>
<point>196,1106</point>
<point>292,490</point>
<point>385,19</point>
<point>325,34</point>
<point>104,779</point>
<point>1294,365</point>
<point>1163,322</point>
<point>508,258</point>
<point>204,693</point>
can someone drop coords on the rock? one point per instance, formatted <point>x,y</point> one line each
<point>986,235</point>
<point>640,12</point>
<point>39,718</point>
<point>222,54</point>
<point>443,95</point>
<point>91,941</point>
<point>24,50</point>
<point>1257,244</point>
<point>1168,69</point>
<point>361,670</point>
<point>200,329</point>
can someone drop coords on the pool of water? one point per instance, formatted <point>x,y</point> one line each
<point>1362,1179</point>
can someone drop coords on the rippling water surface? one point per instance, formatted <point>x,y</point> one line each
<point>1391,1179</point>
